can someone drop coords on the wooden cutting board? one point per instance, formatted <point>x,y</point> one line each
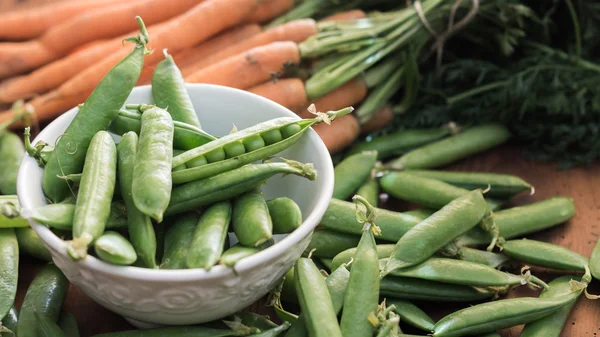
<point>580,234</point>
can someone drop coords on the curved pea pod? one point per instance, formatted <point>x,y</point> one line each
<point>9,269</point>
<point>499,185</point>
<point>179,331</point>
<point>543,254</point>
<point>68,323</point>
<point>416,289</point>
<point>400,142</point>
<point>286,215</point>
<point>113,248</point>
<point>60,216</point>
<point>10,211</point>
<point>433,233</point>
<point>412,315</point>
<point>315,301</point>
<point>522,220</point>
<point>552,325</point>
<point>446,151</point>
<point>210,236</point>
<point>259,142</point>
<point>99,110</point>
<point>494,260</point>
<point>47,327</point>
<point>595,261</point>
<point>251,220</point>
<point>492,316</point>
<point>232,183</point>
<point>45,296</point>
<point>236,253</point>
<point>340,216</point>
<point>169,91</point>
<point>351,173</point>
<point>346,256</point>
<point>424,191</point>
<point>151,186</point>
<point>328,244</point>
<point>370,190</point>
<point>185,136</point>
<point>8,326</point>
<point>11,152</point>
<point>462,272</point>
<point>97,186</point>
<point>178,239</point>
<point>31,244</point>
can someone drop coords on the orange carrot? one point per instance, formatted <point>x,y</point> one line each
<point>351,93</point>
<point>296,31</point>
<point>288,92</point>
<point>351,15</point>
<point>106,22</point>
<point>270,9</point>
<point>382,118</point>
<point>184,31</point>
<point>248,69</point>
<point>33,22</point>
<point>340,134</point>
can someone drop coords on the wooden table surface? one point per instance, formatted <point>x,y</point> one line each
<point>580,235</point>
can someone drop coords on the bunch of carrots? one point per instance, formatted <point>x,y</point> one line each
<point>61,51</point>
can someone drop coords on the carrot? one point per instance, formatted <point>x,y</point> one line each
<point>106,22</point>
<point>31,23</point>
<point>351,93</point>
<point>184,31</point>
<point>270,9</point>
<point>382,118</point>
<point>340,134</point>
<point>288,92</point>
<point>296,31</point>
<point>248,69</point>
<point>351,15</point>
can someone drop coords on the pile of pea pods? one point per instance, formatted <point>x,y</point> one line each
<point>369,263</point>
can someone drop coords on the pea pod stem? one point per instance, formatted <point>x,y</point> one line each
<point>41,152</point>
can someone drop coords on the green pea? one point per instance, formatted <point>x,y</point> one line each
<point>113,248</point>
<point>417,289</point>
<point>326,243</point>
<point>198,161</point>
<point>253,143</point>
<point>543,254</point>
<point>31,244</point>
<point>251,220</point>
<point>60,216</point>
<point>47,327</point>
<point>10,322</point>
<point>9,269</point>
<point>178,239</point>
<point>11,152</point>
<point>272,136</point>
<point>400,142</point>
<point>210,236</point>
<point>411,314</point>
<point>290,130</point>
<point>68,324</point>
<point>234,149</point>
<point>236,253</point>
<point>351,173</point>
<point>285,215</point>
<point>215,155</point>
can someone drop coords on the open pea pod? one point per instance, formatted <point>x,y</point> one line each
<point>255,143</point>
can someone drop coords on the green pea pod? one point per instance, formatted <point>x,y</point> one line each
<point>416,289</point>
<point>151,185</point>
<point>11,152</point>
<point>68,324</point>
<point>113,248</point>
<point>169,91</point>
<point>178,239</point>
<point>461,272</point>
<point>9,269</point>
<point>185,136</point>
<point>139,225</point>
<point>499,185</point>
<point>60,216</point>
<point>351,172</point>
<point>236,253</point>
<point>552,325</point>
<point>412,315</point>
<point>400,142</point>
<point>522,220</point>
<point>251,220</point>
<point>315,301</point>
<point>179,331</point>
<point>326,243</point>
<point>95,194</point>
<point>493,260</point>
<point>347,255</point>
<point>209,237</point>
<point>328,263</point>
<point>286,215</point>
<point>446,151</point>
<point>433,233</point>
<point>288,289</point>
<point>248,138</point>
<point>31,244</point>
<point>362,294</point>
<point>492,316</point>
<point>8,327</point>
<point>10,211</point>
<point>340,217</point>
<point>96,114</point>
<point>543,254</point>
<point>420,212</point>
<point>47,327</point>
<point>424,191</point>
<point>232,183</point>
<point>595,261</point>
<point>44,296</point>
<point>370,190</point>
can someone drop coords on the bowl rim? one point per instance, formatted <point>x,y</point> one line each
<point>218,271</point>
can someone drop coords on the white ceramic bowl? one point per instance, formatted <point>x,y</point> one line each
<point>174,297</point>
